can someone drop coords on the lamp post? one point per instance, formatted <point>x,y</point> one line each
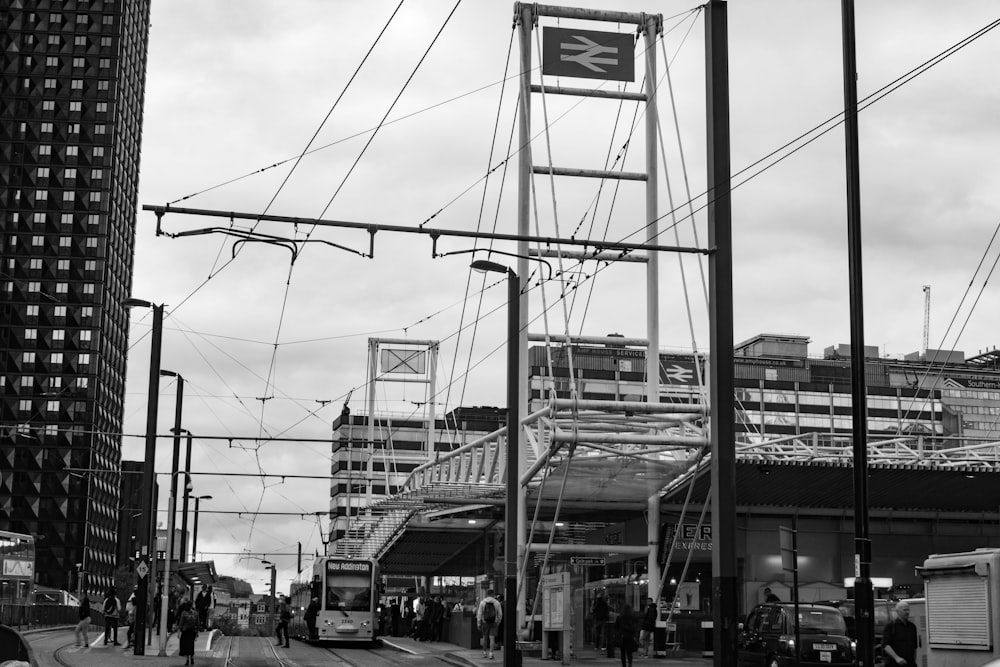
<point>271,605</point>
<point>187,497</point>
<point>513,468</point>
<point>194,533</point>
<point>147,522</point>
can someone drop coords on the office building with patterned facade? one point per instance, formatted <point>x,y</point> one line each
<point>71,101</point>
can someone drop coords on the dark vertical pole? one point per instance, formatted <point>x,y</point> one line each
<point>863,594</point>
<point>175,460</point>
<point>187,497</point>
<point>513,432</point>
<point>148,521</point>
<point>194,533</point>
<point>720,266</point>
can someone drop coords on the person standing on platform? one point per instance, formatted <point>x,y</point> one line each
<point>130,619</point>
<point>599,612</point>
<point>899,639</point>
<point>112,610</point>
<point>312,611</point>
<point>83,613</point>
<point>284,616</point>
<point>201,603</point>
<point>489,614</point>
<point>648,627</point>
<point>394,617</point>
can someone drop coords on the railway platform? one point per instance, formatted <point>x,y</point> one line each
<point>55,648</point>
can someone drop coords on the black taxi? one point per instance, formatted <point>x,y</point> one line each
<point>767,637</point>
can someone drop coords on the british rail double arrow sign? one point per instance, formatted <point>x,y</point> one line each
<point>588,54</point>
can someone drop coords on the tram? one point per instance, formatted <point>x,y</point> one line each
<point>17,577</point>
<point>348,593</point>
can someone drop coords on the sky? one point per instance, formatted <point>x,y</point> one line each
<point>399,117</point>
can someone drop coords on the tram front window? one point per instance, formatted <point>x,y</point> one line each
<point>350,594</point>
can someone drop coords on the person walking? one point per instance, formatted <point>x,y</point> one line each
<point>488,617</point>
<point>648,627</point>
<point>628,630</point>
<point>312,611</point>
<point>201,604</point>
<point>899,639</point>
<point>83,613</point>
<point>112,610</point>
<point>395,617</point>
<point>284,616</point>
<point>187,624</point>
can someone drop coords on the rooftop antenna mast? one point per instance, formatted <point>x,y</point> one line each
<point>927,320</point>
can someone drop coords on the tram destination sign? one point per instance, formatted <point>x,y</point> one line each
<point>348,566</point>
<point>588,54</point>
<point>586,560</point>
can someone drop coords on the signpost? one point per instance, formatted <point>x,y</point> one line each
<point>588,54</point>
<point>586,560</point>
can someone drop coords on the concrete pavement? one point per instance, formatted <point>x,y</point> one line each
<point>55,648</point>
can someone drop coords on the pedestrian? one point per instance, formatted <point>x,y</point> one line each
<point>599,613</point>
<point>899,639</point>
<point>648,627</point>
<point>201,604</point>
<point>312,611</point>
<point>210,616</point>
<point>395,618</point>
<point>83,613</point>
<point>503,618</point>
<point>130,619</point>
<point>488,616</point>
<point>628,630</point>
<point>284,616</point>
<point>770,597</point>
<point>187,624</point>
<point>112,610</point>
<point>157,601</point>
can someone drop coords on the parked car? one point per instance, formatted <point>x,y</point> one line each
<point>884,612</point>
<point>767,637</point>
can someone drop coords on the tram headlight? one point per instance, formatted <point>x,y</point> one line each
<point>365,624</point>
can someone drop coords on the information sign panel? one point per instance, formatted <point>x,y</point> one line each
<point>588,54</point>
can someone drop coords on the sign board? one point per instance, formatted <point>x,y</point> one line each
<point>555,601</point>
<point>18,569</point>
<point>398,360</point>
<point>688,596</point>
<point>586,560</point>
<point>588,54</point>
<point>786,539</point>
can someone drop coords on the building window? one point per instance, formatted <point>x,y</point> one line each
<point>37,241</point>
<point>62,288</point>
<point>95,196</point>
<point>102,84</point>
<point>55,383</point>
<point>42,172</point>
<point>90,265</point>
<point>105,42</point>
<point>96,174</point>
<point>108,19</point>
<point>24,405</point>
<point>28,357</point>
<point>59,311</point>
<point>49,83</point>
<point>75,106</point>
<point>74,128</point>
<point>35,264</point>
<point>79,63</point>
<point>62,265</point>
<point>80,40</point>
<point>102,107</point>
<point>98,151</point>
<point>38,218</point>
<point>104,63</point>
<point>56,357</point>
<point>46,128</point>
<point>58,334</point>
<point>32,311</point>
<point>100,129</point>
<point>41,195</point>
<point>55,18</point>
<point>84,359</point>
<point>93,219</point>
<point>86,312</point>
<point>48,105</point>
<point>65,242</point>
<point>31,334</point>
<point>88,288</point>
<point>69,172</point>
<point>51,61</point>
<point>34,286</point>
<point>82,19</point>
<point>82,383</point>
<point>72,151</point>
<point>52,406</point>
<point>68,195</point>
<point>44,149</point>
<point>86,334</point>
<point>54,40</point>
<point>91,241</point>
<point>66,218</point>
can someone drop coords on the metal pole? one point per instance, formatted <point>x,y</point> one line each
<point>171,511</point>
<point>513,477</point>
<point>147,522</point>
<point>194,533</point>
<point>863,594</point>
<point>720,269</point>
<point>650,31</point>
<point>187,497</point>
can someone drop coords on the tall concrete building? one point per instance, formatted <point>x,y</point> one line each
<point>71,98</point>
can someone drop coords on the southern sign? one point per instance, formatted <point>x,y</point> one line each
<point>588,54</point>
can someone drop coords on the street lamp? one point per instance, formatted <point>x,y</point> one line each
<point>194,533</point>
<point>147,522</point>
<point>513,432</point>
<point>271,606</point>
